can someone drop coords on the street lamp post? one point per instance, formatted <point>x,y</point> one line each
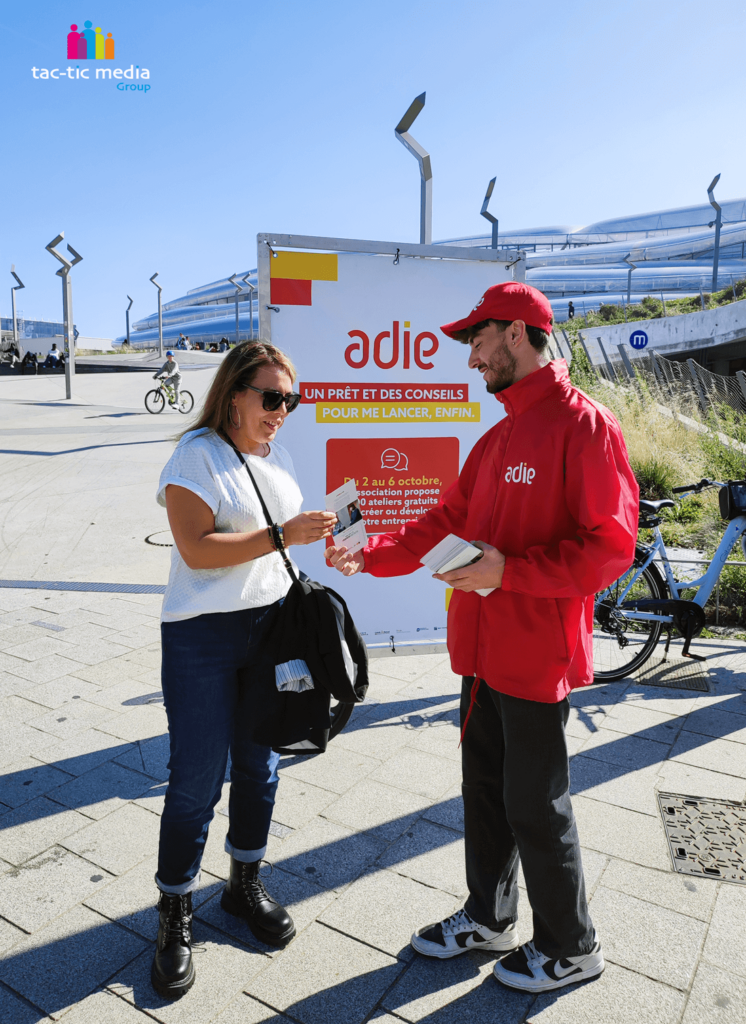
<point>67,307</point>
<point>718,221</point>
<point>252,289</point>
<point>237,286</point>
<point>160,317</point>
<point>423,159</point>
<point>632,266</point>
<point>488,216</point>
<point>127,314</point>
<point>13,290</point>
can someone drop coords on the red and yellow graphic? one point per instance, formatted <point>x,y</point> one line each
<point>292,274</point>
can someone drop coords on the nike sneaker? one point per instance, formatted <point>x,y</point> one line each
<point>529,970</point>
<point>458,934</point>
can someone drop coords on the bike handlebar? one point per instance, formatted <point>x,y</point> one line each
<point>695,488</point>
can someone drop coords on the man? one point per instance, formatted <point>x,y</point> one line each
<point>53,357</point>
<point>550,498</point>
<point>171,370</point>
<point>570,311</point>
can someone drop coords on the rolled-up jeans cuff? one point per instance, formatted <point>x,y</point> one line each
<point>244,856</point>
<point>179,890</point>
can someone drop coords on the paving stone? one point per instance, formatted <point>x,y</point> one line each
<point>404,669</point>
<point>28,778</point>
<point>457,991</point>
<point>645,938</point>
<point>716,998</point>
<point>329,854</point>
<point>621,833</point>
<point>384,909</point>
<point>297,802</point>
<point>585,720</point>
<point>14,708</point>
<point>616,997</point>
<point>46,886</point>
<point>18,740</point>
<point>85,633</point>
<point>337,770</point>
<point>82,752</point>
<point>377,809</point>
<point>674,777</point>
<point>104,1008</point>
<point>63,963</point>
<point>245,1010</point>
<point>141,723</point>
<point>623,750</point>
<point>682,894</point>
<point>62,691</point>
<point>324,978</point>
<point>449,811</point>
<point>615,785</point>
<point>118,841</point>
<point>15,1011</point>
<point>108,673</point>
<point>131,899</point>
<point>153,797</point>
<point>655,698</point>
<point>717,722</point>
<point>429,854</point>
<point>136,637</point>
<point>429,686</point>
<point>92,652</point>
<point>9,935</point>
<point>726,939</point>
<point>145,658</point>
<point>102,790</point>
<point>11,636</point>
<point>224,967</point>
<point>418,772</point>
<point>149,756</point>
<point>123,694</point>
<point>438,734</point>
<point>303,898</point>
<point>379,734</point>
<point>34,827</point>
<point>636,718</point>
<point>69,719</point>
<point>42,647</point>
<point>12,684</point>
<point>716,755</point>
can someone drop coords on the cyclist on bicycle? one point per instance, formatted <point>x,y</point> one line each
<point>172,376</point>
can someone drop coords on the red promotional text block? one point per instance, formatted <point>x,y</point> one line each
<point>398,478</point>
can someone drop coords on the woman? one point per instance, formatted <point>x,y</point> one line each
<point>226,583</point>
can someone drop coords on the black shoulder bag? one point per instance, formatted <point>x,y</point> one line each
<point>312,625</point>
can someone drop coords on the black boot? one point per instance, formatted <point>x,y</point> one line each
<point>245,896</point>
<point>172,973</point>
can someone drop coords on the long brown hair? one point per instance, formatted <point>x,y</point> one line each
<point>236,373</point>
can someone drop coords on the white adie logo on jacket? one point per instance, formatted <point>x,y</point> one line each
<point>520,474</point>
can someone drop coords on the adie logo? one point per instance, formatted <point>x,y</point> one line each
<point>520,474</point>
<point>89,44</point>
<point>389,346</point>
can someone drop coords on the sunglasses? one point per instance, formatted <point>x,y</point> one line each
<point>272,400</point>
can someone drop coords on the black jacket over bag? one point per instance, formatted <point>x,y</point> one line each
<point>313,625</point>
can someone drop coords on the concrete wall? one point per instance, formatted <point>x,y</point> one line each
<point>673,334</point>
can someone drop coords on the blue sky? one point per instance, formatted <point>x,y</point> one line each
<point>279,117</point>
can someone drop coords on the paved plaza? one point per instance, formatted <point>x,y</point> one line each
<point>367,839</point>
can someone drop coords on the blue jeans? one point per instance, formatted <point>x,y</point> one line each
<point>209,713</point>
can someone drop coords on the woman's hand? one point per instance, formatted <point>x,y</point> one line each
<point>344,562</point>
<point>308,527</point>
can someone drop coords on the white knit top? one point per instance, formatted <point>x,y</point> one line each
<point>206,465</point>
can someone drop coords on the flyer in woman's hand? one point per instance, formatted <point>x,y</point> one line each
<point>350,527</point>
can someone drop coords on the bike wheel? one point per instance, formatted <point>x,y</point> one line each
<point>340,716</point>
<point>186,401</point>
<point>621,645</point>
<point>154,401</point>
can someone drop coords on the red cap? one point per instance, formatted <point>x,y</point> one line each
<point>511,300</point>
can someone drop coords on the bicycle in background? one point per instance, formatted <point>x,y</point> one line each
<point>155,400</point>
<point>629,616</point>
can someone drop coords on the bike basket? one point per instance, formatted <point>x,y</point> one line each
<point>733,499</point>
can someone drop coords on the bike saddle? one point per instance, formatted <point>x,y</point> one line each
<point>656,506</point>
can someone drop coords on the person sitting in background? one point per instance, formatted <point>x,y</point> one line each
<point>29,361</point>
<point>53,357</point>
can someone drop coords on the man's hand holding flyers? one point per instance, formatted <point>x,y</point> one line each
<point>485,574</point>
<point>345,561</point>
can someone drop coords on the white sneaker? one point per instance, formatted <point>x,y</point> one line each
<point>530,971</point>
<point>458,934</point>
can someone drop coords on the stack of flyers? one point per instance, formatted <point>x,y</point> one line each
<point>350,527</point>
<point>453,553</point>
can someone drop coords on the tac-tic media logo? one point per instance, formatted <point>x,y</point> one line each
<point>91,43</point>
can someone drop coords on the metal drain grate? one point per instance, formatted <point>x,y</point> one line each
<point>705,837</point>
<point>677,673</point>
<point>101,588</point>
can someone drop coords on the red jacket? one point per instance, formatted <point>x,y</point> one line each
<point>550,486</point>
